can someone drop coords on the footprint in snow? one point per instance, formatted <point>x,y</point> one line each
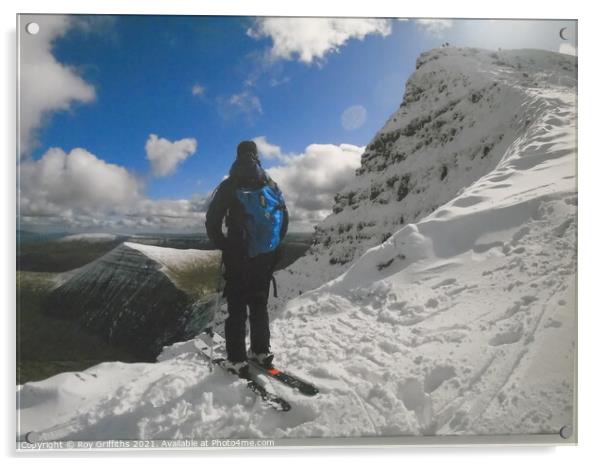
<point>432,303</point>
<point>508,337</point>
<point>435,378</point>
<point>449,281</point>
<point>468,201</point>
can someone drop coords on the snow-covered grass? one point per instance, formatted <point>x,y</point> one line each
<point>462,321</point>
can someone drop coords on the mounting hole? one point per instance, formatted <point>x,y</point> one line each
<point>566,431</point>
<point>31,437</point>
<point>32,28</point>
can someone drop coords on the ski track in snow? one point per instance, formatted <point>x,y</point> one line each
<point>462,323</point>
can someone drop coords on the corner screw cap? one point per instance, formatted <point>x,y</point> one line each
<point>32,28</point>
<point>566,431</point>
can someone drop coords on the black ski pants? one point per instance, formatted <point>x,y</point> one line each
<point>247,288</point>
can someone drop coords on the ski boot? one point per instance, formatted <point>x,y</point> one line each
<point>263,359</point>
<point>238,368</point>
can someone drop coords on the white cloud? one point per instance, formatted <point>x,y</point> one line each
<point>353,117</point>
<point>434,27</point>
<point>275,81</point>
<point>79,191</point>
<point>77,180</point>
<point>46,85</point>
<point>310,39</point>
<point>198,90</point>
<point>246,102</point>
<point>310,180</point>
<point>567,48</point>
<point>76,190</point>
<point>268,150</point>
<point>165,155</point>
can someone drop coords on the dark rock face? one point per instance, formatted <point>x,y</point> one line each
<point>462,109</point>
<point>128,298</point>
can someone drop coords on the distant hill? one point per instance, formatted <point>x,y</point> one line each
<point>25,236</point>
<point>139,295</point>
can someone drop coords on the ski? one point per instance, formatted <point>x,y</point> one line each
<point>284,377</point>
<point>271,399</point>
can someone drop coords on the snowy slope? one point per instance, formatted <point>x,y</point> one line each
<point>461,322</point>
<point>467,318</point>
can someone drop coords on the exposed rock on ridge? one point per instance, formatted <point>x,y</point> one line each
<point>462,110</point>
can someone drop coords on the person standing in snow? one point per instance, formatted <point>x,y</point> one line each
<point>257,221</point>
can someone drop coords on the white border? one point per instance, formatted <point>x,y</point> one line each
<point>590,171</point>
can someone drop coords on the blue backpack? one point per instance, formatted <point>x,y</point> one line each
<point>264,216</point>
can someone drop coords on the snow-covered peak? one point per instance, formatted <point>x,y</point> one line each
<point>463,109</point>
<point>172,258</point>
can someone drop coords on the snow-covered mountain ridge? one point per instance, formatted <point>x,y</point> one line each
<point>461,321</point>
<point>462,111</point>
<point>467,318</point>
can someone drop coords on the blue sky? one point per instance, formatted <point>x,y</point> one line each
<point>144,82</point>
<point>201,85</point>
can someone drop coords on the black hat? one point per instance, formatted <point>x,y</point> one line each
<point>246,148</point>
<point>247,165</point>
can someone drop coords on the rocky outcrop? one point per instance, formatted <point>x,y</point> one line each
<point>141,296</point>
<point>463,109</point>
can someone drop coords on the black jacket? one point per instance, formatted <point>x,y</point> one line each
<point>244,173</point>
